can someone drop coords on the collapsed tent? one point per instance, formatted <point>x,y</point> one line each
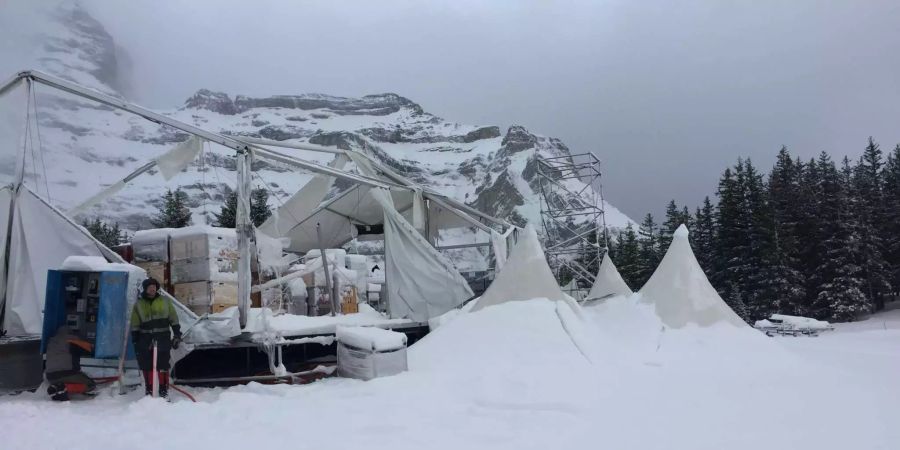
<point>420,282</point>
<point>609,282</point>
<point>525,276</point>
<point>680,291</point>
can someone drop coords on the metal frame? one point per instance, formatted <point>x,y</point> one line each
<point>568,215</point>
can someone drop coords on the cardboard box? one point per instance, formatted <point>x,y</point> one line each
<point>205,293</point>
<point>155,270</point>
<point>204,269</point>
<point>203,242</point>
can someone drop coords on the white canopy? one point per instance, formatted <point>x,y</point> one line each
<point>525,275</point>
<point>609,282</point>
<point>680,291</point>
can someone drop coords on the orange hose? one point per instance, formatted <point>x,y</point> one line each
<point>183,392</point>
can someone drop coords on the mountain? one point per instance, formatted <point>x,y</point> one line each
<point>83,146</point>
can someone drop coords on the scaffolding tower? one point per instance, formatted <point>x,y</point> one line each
<point>574,226</point>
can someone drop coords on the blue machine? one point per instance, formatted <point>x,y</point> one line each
<point>94,305</point>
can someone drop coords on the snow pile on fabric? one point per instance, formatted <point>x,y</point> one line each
<point>680,291</point>
<point>370,338</point>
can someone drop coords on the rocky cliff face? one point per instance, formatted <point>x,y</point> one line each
<point>86,146</point>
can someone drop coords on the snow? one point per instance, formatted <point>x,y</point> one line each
<point>371,338</point>
<point>290,324</point>
<point>511,376</point>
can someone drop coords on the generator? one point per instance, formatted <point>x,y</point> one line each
<point>94,305</point>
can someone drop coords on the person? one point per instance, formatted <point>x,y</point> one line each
<point>63,370</point>
<point>151,319</point>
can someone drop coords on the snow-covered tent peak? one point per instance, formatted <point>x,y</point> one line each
<point>525,275</point>
<point>680,291</point>
<point>609,282</point>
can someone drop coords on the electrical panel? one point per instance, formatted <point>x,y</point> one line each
<point>94,306</point>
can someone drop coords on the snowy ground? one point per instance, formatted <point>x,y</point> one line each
<point>532,375</point>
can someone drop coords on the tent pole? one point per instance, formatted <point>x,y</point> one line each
<point>243,226</point>
<point>325,268</point>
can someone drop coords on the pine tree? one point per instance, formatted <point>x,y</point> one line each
<point>868,203</point>
<point>627,257</point>
<point>648,249</point>
<point>108,235</point>
<point>259,206</point>
<point>758,279</point>
<point>839,278</point>
<point>686,218</point>
<point>730,234</point>
<point>890,226</point>
<point>807,229</point>
<point>673,220</point>
<point>703,235</point>
<point>786,283</point>
<point>173,212</point>
<point>228,213</point>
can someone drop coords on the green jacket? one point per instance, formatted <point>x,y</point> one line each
<point>154,317</point>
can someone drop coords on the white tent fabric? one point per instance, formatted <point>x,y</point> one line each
<point>421,282</point>
<point>41,240</point>
<point>175,160</point>
<point>5,214</point>
<point>525,276</point>
<point>680,291</point>
<point>301,204</point>
<point>608,282</point>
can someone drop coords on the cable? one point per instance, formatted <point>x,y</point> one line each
<point>184,393</point>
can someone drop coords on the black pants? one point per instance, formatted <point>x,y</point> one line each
<point>143,350</point>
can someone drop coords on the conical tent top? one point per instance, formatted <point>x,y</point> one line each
<point>609,282</point>
<point>680,291</point>
<point>525,275</point>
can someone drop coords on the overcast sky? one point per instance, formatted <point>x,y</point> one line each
<point>665,93</point>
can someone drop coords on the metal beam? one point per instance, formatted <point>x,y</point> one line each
<point>301,146</point>
<point>272,155</point>
<point>72,88</point>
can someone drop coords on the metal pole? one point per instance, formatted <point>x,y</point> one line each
<point>325,268</point>
<point>243,227</point>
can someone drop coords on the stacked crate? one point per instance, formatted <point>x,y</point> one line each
<point>151,252</point>
<point>203,268</point>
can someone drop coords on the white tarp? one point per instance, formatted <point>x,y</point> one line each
<point>41,240</point>
<point>175,160</point>
<point>680,291</point>
<point>421,282</point>
<point>525,276</point>
<point>301,205</point>
<point>608,282</point>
